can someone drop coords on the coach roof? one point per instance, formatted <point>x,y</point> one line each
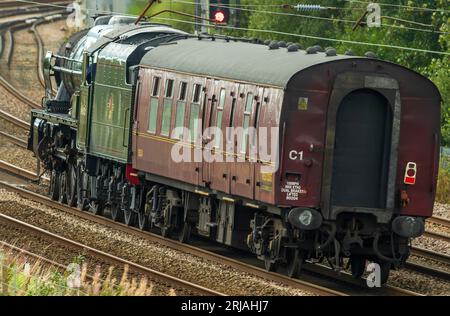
<point>234,60</point>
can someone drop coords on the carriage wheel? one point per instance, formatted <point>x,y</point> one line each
<point>357,265</point>
<point>385,269</point>
<point>294,262</point>
<point>129,217</point>
<point>166,231</point>
<point>142,221</point>
<point>270,264</point>
<point>62,187</point>
<point>185,233</point>
<point>53,189</point>
<point>71,186</point>
<point>97,207</point>
<point>116,212</point>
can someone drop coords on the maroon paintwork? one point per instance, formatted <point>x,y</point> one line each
<point>301,130</point>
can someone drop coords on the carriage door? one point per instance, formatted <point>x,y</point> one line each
<point>83,119</point>
<point>225,93</point>
<point>361,151</point>
<point>242,171</point>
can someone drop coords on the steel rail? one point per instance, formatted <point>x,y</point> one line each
<point>27,253</point>
<point>18,95</point>
<point>430,254</point>
<point>19,24</point>
<point>439,221</point>
<point>387,290</point>
<point>438,273</point>
<point>28,175</point>
<point>15,4</point>
<point>275,277</point>
<point>40,47</point>
<point>13,139</point>
<point>438,236</point>
<point>177,283</point>
<point>14,120</point>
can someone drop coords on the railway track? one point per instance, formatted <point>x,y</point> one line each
<point>440,258</point>
<point>439,221</point>
<point>175,282</point>
<point>28,175</point>
<point>13,139</point>
<point>18,11</point>
<point>11,27</point>
<point>14,120</point>
<point>15,4</point>
<point>244,267</point>
<point>437,236</point>
<point>212,256</point>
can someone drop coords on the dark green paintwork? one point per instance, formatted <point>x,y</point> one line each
<point>111,106</point>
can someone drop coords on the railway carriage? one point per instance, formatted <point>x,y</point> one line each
<point>315,155</point>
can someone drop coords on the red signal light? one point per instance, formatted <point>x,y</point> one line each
<point>219,17</point>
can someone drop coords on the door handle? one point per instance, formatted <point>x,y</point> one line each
<point>127,111</point>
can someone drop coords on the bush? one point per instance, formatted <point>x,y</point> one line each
<point>443,187</point>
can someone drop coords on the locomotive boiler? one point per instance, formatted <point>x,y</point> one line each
<point>291,154</point>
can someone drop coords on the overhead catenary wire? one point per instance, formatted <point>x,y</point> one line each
<point>327,18</point>
<point>272,32</point>
<point>310,37</point>
<point>413,8</point>
<point>288,14</point>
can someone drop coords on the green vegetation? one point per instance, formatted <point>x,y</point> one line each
<point>443,187</point>
<point>17,278</point>
<point>395,30</point>
<point>139,5</point>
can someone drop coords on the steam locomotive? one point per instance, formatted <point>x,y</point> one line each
<point>291,154</point>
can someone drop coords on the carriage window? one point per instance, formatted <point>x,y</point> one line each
<point>246,123</point>
<point>169,88</point>
<point>220,115</point>
<point>249,103</point>
<point>156,82</point>
<point>193,120</point>
<point>222,98</point>
<point>245,134</point>
<point>167,110</point>
<point>179,119</point>
<point>196,94</point>
<point>183,91</point>
<point>153,114</point>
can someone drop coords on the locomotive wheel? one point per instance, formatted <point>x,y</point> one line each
<point>129,217</point>
<point>97,207</point>
<point>357,265</point>
<point>185,233</point>
<point>270,265</point>
<point>116,212</point>
<point>62,187</point>
<point>71,186</point>
<point>82,186</point>
<point>53,189</point>
<point>294,262</point>
<point>166,231</point>
<point>142,221</point>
